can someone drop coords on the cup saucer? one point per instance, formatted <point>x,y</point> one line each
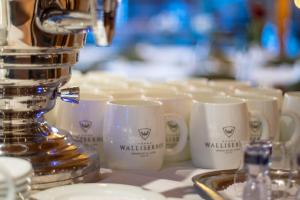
<point>96,191</point>
<point>18,169</point>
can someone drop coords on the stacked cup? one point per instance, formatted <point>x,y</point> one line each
<point>15,178</point>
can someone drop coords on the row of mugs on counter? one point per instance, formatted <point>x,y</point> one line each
<point>162,123</point>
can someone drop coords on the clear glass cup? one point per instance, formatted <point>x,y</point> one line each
<point>282,168</point>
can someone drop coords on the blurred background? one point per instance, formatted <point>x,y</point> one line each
<point>253,40</point>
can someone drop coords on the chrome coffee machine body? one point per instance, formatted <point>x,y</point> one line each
<point>39,44</point>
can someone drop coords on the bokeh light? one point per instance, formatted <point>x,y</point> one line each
<point>297,3</point>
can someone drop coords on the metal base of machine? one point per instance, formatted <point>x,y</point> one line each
<point>56,159</point>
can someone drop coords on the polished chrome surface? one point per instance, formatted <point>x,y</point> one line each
<point>70,95</point>
<point>39,44</point>
<point>38,59</point>
<point>103,27</point>
<point>59,23</point>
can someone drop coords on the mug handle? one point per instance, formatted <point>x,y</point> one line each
<point>183,136</point>
<point>295,138</point>
<point>265,124</point>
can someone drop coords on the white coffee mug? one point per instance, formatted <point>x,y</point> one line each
<point>291,101</point>
<point>85,120</point>
<point>218,128</point>
<point>159,88</point>
<point>265,128</point>
<point>271,92</point>
<point>134,134</point>
<point>175,105</point>
<point>278,121</point>
<point>290,130</point>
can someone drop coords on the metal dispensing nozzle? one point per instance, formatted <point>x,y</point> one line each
<point>104,24</point>
<point>70,95</point>
<point>99,17</point>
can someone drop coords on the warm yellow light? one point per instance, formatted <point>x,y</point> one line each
<point>297,3</point>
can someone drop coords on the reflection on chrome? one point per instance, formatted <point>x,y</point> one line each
<point>39,44</point>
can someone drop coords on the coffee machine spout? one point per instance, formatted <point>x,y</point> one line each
<point>97,15</point>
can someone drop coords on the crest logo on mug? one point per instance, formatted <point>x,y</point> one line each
<point>173,126</point>
<point>85,125</point>
<point>256,129</point>
<point>255,126</point>
<point>228,130</point>
<point>144,133</point>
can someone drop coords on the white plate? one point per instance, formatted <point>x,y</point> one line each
<point>19,188</point>
<point>16,167</point>
<point>18,184</point>
<point>97,191</point>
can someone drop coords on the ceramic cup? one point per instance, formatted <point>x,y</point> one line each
<point>289,127</point>
<point>267,107</point>
<point>129,93</point>
<point>284,125</point>
<point>159,88</point>
<point>179,105</point>
<point>271,92</point>
<point>291,102</point>
<point>134,134</point>
<point>85,120</point>
<point>218,128</point>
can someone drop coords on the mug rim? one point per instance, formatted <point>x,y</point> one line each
<point>254,97</point>
<point>167,96</point>
<point>260,90</point>
<point>204,95</point>
<point>88,96</point>
<point>158,91</point>
<point>134,103</point>
<point>228,82</point>
<point>294,94</point>
<point>215,100</point>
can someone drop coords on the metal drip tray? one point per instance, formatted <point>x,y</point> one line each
<point>211,183</point>
<point>56,159</point>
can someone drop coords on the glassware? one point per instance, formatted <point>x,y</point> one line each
<point>273,155</point>
<point>257,184</point>
<point>264,176</point>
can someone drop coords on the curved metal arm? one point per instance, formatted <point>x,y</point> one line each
<point>78,15</point>
<point>70,95</point>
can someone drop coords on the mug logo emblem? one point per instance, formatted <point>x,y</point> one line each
<point>144,133</point>
<point>256,129</point>
<point>85,125</point>
<point>173,126</point>
<point>255,125</point>
<point>228,130</point>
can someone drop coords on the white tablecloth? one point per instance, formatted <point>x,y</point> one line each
<point>173,181</point>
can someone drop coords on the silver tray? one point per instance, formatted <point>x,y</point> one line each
<point>209,184</point>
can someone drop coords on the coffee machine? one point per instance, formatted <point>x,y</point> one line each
<point>39,44</point>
